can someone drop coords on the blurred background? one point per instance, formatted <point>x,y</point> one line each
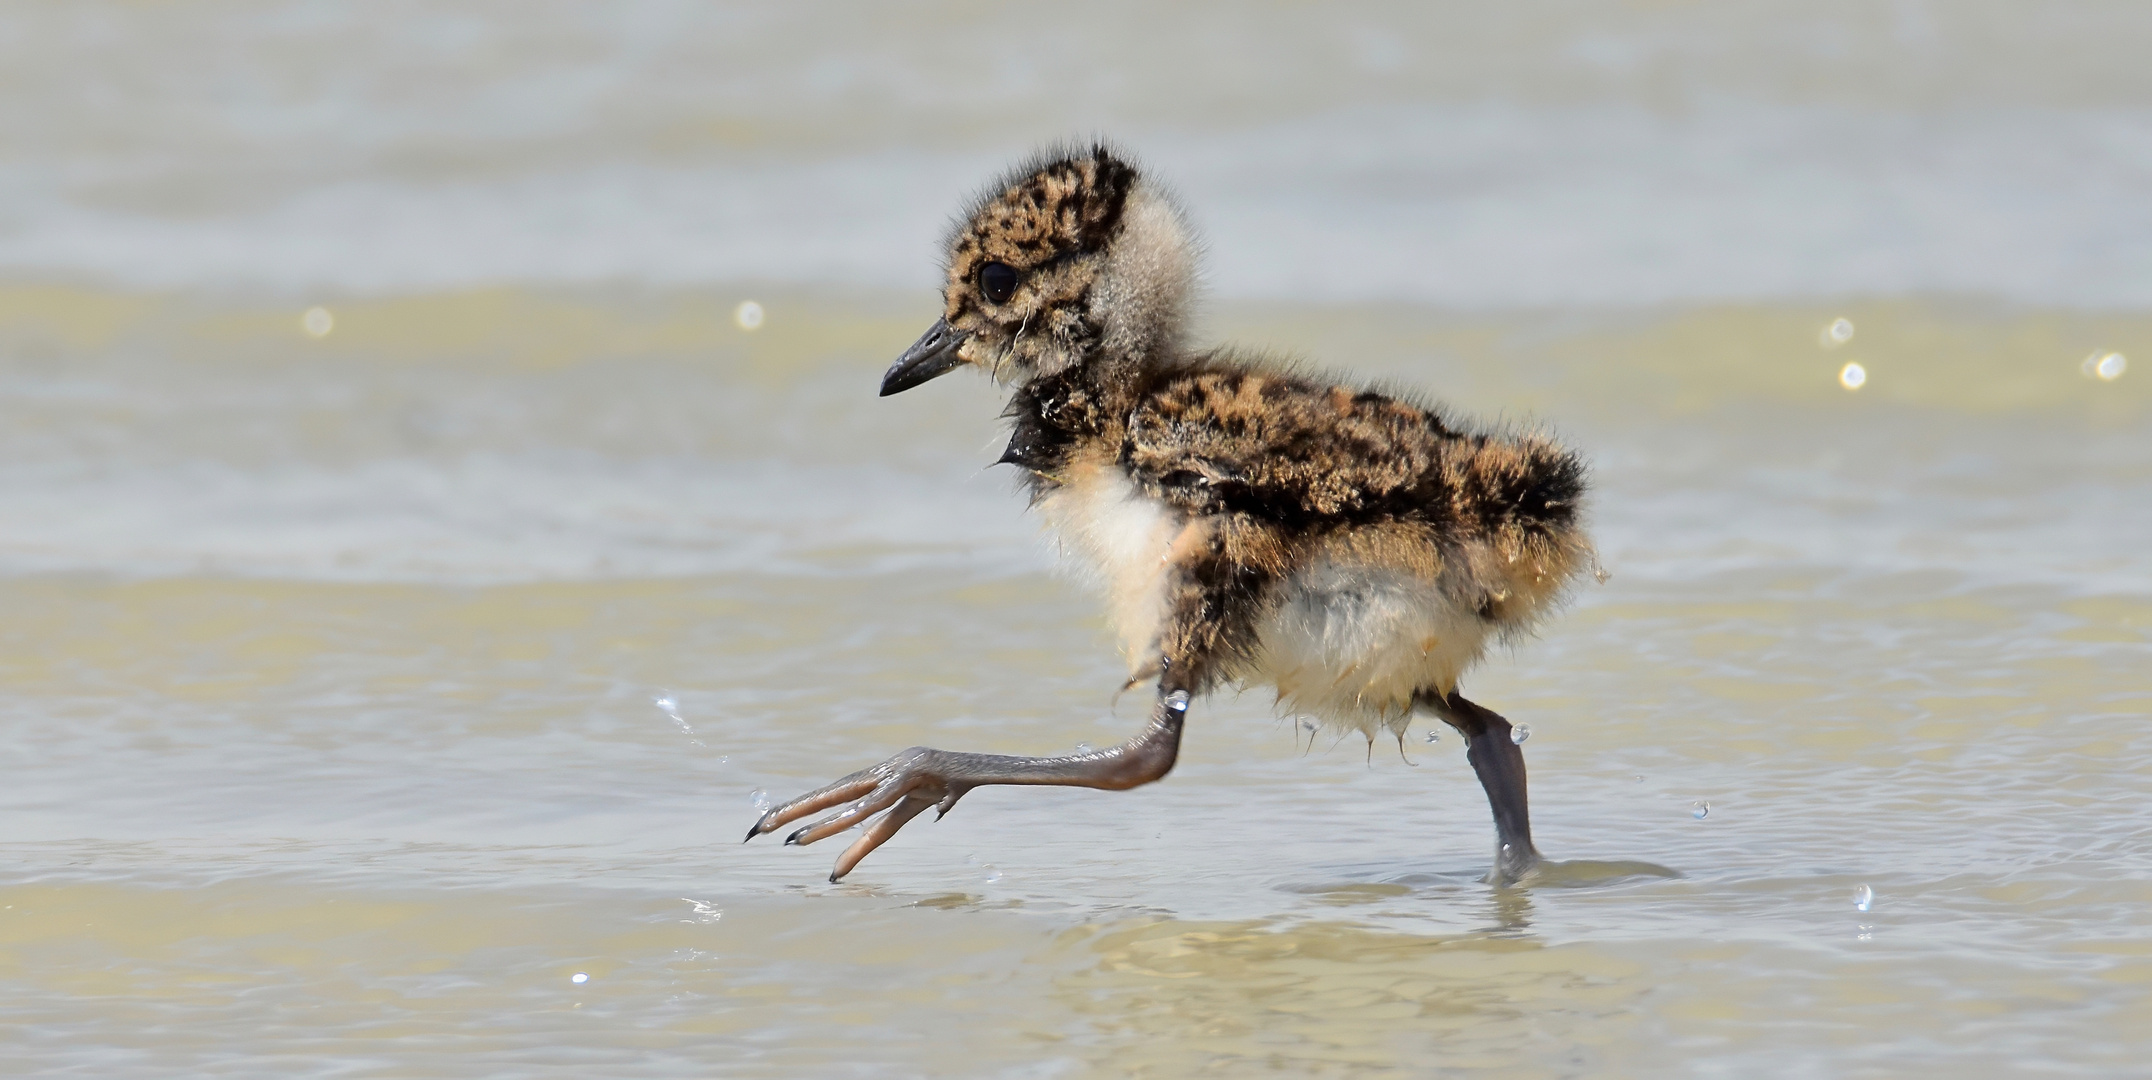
<point>442,494</point>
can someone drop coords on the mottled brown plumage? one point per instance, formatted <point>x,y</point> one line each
<point>1249,525</point>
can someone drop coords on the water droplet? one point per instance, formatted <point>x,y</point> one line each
<point>1177,701</point>
<point>1838,333</point>
<point>1434,736</point>
<point>2106,367</point>
<point>1863,897</point>
<point>317,322</point>
<point>759,798</point>
<point>1640,778</point>
<point>1700,811</point>
<point>1520,733</point>
<point>579,978</point>
<point>992,875</point>
<point>748,315</point>
<point>671,708</point>
<point>1853,376</point>
<point>1309,725</point>
<point>1083,748</point>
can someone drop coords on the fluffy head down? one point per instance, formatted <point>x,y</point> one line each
<point>1072,256</point>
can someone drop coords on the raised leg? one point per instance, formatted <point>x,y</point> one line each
<point>1499,761</point>
<point>1211,600</point>
<point>922,776</point>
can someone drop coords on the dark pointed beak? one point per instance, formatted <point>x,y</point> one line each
<point>934,354</point>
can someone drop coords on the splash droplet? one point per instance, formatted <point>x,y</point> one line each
<point>1309,725</point>
<point>579,978</point>
<point>1520,733</point>
<point>1853,376</point>
<point>317,322</point>
<point>1083,748</point>
<point>748,316</point>
<point>1640,778</point>
<point>1177,701</point>
<point>1838,333</point>
<point>671,709</point>
<point>759,799</point>
<point>992,875</point>
<point>1700,811</point>
<point>1863,898</point>
<point>1434,736</point>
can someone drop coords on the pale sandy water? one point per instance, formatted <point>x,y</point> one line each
<point>367,809</point>
<point>330,669</point>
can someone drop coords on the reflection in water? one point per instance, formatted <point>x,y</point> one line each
<point>1511,909</point>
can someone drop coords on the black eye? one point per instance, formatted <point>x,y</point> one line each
<point>998,281</point>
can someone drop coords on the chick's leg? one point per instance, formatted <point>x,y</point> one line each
<point>1499,761</point>
<point>922,776</point>
<point>1203,587</point>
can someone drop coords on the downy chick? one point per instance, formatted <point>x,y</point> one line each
<point>1250,526</point>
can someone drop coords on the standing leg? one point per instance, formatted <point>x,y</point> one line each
<point>1499,761</point>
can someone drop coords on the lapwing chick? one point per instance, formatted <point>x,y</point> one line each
<point>1250,525</point>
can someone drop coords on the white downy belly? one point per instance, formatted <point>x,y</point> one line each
<point>1347,644</point>
<point>1352,645</point>
<point>1120,537</point>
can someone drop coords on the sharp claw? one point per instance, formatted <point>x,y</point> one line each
<point>948,802</point>
<point>819,799</point>
<point>795,837</point>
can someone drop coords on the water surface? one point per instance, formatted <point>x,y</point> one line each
<point>359,690</point>
<point>332,677</point>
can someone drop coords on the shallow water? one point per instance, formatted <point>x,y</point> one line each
<point>359,690</point>
<point>332,676</point>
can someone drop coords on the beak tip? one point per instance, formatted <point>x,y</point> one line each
<point>933,355</point>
